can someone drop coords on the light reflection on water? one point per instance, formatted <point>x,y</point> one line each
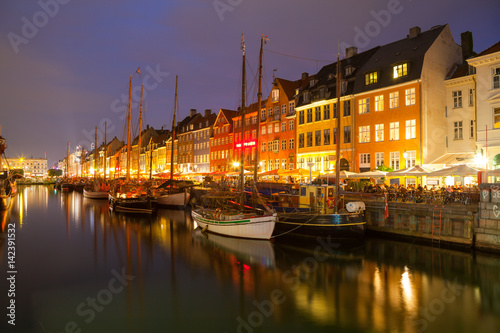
<point>70,250</point>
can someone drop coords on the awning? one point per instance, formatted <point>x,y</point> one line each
<point>454,158</point>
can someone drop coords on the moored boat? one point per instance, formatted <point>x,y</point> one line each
<point>174,194</point>
<point>131,199</point>
<point>234,223</point>
<point>96,191</point>
<point>238,220</point>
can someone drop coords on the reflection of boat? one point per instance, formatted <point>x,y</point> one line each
<point>251,251</point>
<point>244,221</point>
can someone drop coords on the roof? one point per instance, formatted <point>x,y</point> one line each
<point>410,50</point>
<point>459,71</point>
<point>492,49</point>
<point>228,115</point>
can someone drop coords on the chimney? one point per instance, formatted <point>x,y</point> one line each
<point>192,112</point>
<point>147,127</point>
<point>305,75</point>
<point>467,45</point>
<point>414,32</point>
<point>351,51</point>
<point>208,112</point>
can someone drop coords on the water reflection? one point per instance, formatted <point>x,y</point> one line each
<point>72,247</point>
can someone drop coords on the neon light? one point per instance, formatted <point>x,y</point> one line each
<point>246,144</point>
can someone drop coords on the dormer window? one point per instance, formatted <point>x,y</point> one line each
<point>349,70</point>
<point>371,78</point>
<point>400,70</point>
<point>331,76</point>
<point>312,83</point>
<point>306,96</point>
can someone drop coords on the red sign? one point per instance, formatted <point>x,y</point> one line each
<point>246,144</point>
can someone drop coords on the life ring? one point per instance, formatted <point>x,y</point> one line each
<point>331,202</point>
<point>217,213</point>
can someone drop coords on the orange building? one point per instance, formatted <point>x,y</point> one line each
<point>277,145</point>
<point>221,142</point>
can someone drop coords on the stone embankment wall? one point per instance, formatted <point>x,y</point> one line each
<point>452,223</point>
<point>487,228</point>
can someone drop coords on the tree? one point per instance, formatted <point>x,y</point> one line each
<point>54,172</point>
<point>385,168</point>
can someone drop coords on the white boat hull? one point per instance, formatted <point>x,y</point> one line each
<point>255,227</point>
<point>176,199</point>
<point>95,194</point>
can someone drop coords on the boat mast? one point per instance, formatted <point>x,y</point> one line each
<point>337,137</point>
<point>242,123</point>
<point>128,128</point>
<point>173,132</point>
<point>139,143</point>
<point>82,158</point>
<point>259,105</point>
<point>67,160</point>
<point>105,148</point>
<point>95,154</point>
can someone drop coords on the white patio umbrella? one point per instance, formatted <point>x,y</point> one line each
<point>461,170</point>
<point>370,174</point>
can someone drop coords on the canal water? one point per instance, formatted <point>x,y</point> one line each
<point>80,268</point>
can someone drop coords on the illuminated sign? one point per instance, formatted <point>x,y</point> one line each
<point>246,144</point>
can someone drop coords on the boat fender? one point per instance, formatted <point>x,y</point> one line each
<point>217,213</point>
<point>355,206</point>
<point>204,228</point>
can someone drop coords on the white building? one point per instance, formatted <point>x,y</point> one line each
<point>487,64</point>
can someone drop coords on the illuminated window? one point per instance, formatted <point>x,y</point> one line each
<point>364,134</point>
<point>394,131</point>
<point>411,158</point>
<point>371,78</point>
<point>379,103</point>
<point>364,105</point>
<point>275,95</point>
<point>411,129</point>
<point>379,132</point>
<point>410,96</point>
<point>394,100</point>
<point>400,70</point>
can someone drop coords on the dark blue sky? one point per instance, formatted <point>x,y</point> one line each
<point>65,69</point>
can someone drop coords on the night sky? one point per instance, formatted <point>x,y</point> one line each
<point>65,69</point>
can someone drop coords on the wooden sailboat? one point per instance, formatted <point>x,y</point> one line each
<point>239,220</point>
<point>8,187</point>
<point>131,197</point>
<point>173,193</point>
<point>99,189</point>
<point>326,217</point>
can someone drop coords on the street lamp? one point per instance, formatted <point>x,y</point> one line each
<point>310,165</point>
